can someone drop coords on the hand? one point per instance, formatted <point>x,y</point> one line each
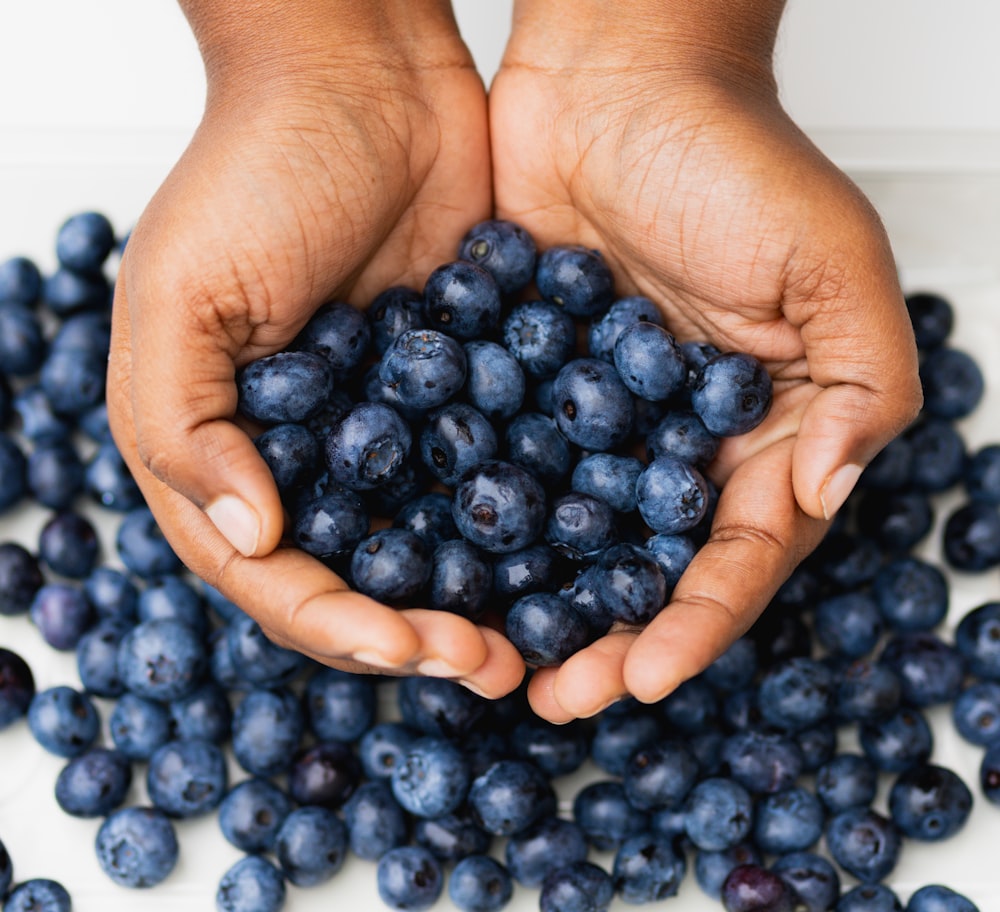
<point>329,164</point>
<point>674,157</point>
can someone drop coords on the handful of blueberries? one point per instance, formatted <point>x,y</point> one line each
<point>561,489</point>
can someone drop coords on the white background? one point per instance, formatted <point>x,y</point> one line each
<point>98,98</point>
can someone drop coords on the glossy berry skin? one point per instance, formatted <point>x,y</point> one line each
<point>40,894</point>
<point>982,475</point>
<point>846,781</point>
<point>732,394</point>
<point>64,721</point>
<point>937,898</point>
<point>787,821</point>
<point>897,742</point>
<point>647,868</point>
<point>409,878</point>
<point>68,544</point>
<point>660,775</point>
<point>429,515</point>
<point>796,694</point>
<point>712,868</point>
<point>173,597</point>
<point>392,312</point>
<point>461,580</point>
<point>976,713</point>
<point>455,439</point>
<point>912,594</point>
<point>62,615</point>
<point>623,313</point>
<point>142,547</point>
<point>84,241</point>
<point>17,687</point>
<point>424,367</point>
<point>451,837</point>
<point>137,846</point>
<point>929,803</point>
<point>368,446</point>
<point>255,657</point>
<point>575,278</point>
<point>311,846</point>
<point>20,578</point>
<point>93,783</point>
<point>325,773</point>
<point>462,299</point>
<point>267,727</point>
<point>535,568</point>
<point>580,887</point>
<point>580,526</point>
<point>547,844</point>
<point>649,361</point>
<point>557,750</point>
<point>989,774</point>
<point>977,639</point>
<point>541,336</point>
<point>867,692</point>
<point>204,714</point>
<point>545,628</point>
<point>930,670</point>
<point>479,883</point>
<point>751,888</point>
<point>162,659</point>
<point>339,333</point>
<point>338,705</point>
<point>610,477</point>
<point>938,455</point>
<point>618,735</point>
<point>286,387</point>
<point>291,452</point>
<point>510,796</point>
<point>436,706</point>
<point>139,726</point>
<point>251,813</point>
<point>432,778</point>
<point>628,581</point>
<point>252,884</point>
<point>73,380</point>
<point>671,496</point>
<point>107,480</point>
<point>534,442</point>
<point>869,898</point>
<point>391,566</point>
<point>22,340</point>
<point>718,814</point>
<point>762,761</point>
<point>499,507</point>
<point>502,248</point>
<point>494,383</point>
<point>863,843</point>
<point>591,406</point>
<point>375,821</point>
<point>971,537</point>
<point>952,383</point>
<point>849,624</point>
<point>331,524</point>
<point>20,281</point>
<point>187,778</point>
<point>112,593</point>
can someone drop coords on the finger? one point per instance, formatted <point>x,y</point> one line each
<point>758,537</point>
<point>585,683</point>
<point>184,399</point>
<point>860,349</point>
<point>502,670</point>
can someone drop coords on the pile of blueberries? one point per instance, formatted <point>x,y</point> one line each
<point>539,459</point>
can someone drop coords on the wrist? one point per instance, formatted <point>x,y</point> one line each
<point>693,39</point>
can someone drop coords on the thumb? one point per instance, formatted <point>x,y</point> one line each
<point>860,351</point>
<point>183,402</point>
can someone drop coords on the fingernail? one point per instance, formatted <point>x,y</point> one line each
<point>237,522</point>
<point>376,660</point>
<point>837,486</point>
<point>468,685</point>
<point>437,668</point>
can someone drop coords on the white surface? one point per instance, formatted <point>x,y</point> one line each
<point>98,100</point>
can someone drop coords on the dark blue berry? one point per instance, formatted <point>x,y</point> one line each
<point>499,507</point>
<point>424,368</point>
<point>541,336</point>
<point>251,813</point>
<point>17,687</point>
<point>952,383</point>
<point>20,578</point>
<point>338,332</point>
<point>462,299</point>
<point>932,317</point>
<point>545,628</point>
<point>137,846</point>
<point>285,387</point>
<point>252,884</point>
<point>495,383</point>
<point>392,313</point>
<point>591,406</point>
<point>929,803</point>
<point>502,248</point>
<point>455,439</point>
<point>732,394</point>
<point>575,278</point>
<point>311,846</point>
<point>479,883</point>
<point>94,783</point>
<point>671,496</point>
<point>863,843</point>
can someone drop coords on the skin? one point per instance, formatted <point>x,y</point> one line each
<point>346,147</point>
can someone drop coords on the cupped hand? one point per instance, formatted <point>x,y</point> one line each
<point>704,196</point>
<point>305,181</point>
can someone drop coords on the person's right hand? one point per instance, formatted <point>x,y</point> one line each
<point>342,151</point>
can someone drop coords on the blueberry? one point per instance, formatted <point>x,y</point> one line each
<point>671,496</point>
<point>311,846</point>
<point>110,481</point>
<point>541,336</point>
<point>429,515</point>
<point>137,846</point>
<point>660,775</point>
<point>629,582</point>
<point>603,812</point>
<point>849,624</point>
<point>932,317</point>
<point>203,715</point>
<point>931,671</point>
<point>502,248</point>
<point>258,659</point>
<point>461,580</point>
<point>545,629</point>
<point>291,452</point>
<point>495,383</point>
<point>813,880</point>
<point>94,783</point>
<point>750,888</point>
<point>480,884</point>
<point>712,868</point>
<point>338,332</point>
<point>976,713</point>
<point>67,291</point>
<point>890,468</point>
<point>647,869</point>
<point>936,898</point>
<point>325,773</point>
<point>732,394</point>
<point>84,241</point>
<point>898,742</point>
<point>557,750</point>
<point>436,706</point>
<point>610,477</point>
<point>618,735</point>
<point>20,578</point>
<point>649,361</point>
<point>138,726</point>
<point>424,367</point>
<point>251,813</point>
<point>911,594</point>
<point>929,803</point>
<point>410,878</point>
<point>895,520</point>
<point>455,439</point>
<point>97,658</point>
<point>718,814</point>
<point>952,383</point>
<point>338,705</point>
<point>796,694</point>
<point>20,281</point>
<point>735,668</point>
<point>453,836</point>
<point>375,821</point>
<point>971,537</point>
<point>869,898</point>
<point>535,568</point>
<point>510,796</point>
<point>267,728</point>
<point>331,524</point>
<point>172,596</point>
<point>580,526</point>
<point>499,507</point>
<point>535,443</point>
<point>186,778</point>
<point>22,340</point>
<point>787,821</point>
<point>38,419</point>
<point>62,615</point>
<point>982,475</point>
<point>977,639</point>
<point>580,887</point>
<point>252,884</point>
<point>40,894</point>
<point>847,561</point>
<point>368,446</point>
<point>623,313</point>
<point>68,544</point>
<point>17,687</point>
<point>592,407</point>
<point>462,299</point>
<point>391,566</point>
<point>939,455</point>
<point>64,721</point>
<point>989,773</point>
<point>432,778</point>
<point>142,547</point>
<point>86,332</point>
<point>392,312</point>
<point>13,472</point>
<point>73,380</point>
<point>863,843</point>
<point>575,278</point>
<point>162,659</point>
<point>762,761</point>
<point>285,387</point>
